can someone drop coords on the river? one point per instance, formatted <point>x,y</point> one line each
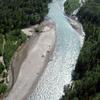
<point>58,72</point>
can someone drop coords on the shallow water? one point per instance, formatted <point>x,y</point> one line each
<point>58,71</point>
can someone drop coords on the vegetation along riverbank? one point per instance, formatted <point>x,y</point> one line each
<point>86,76</point>
<point>70,6</point>
<point>15,15</point>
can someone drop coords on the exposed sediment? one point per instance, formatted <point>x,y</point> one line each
<point>36,56</point>
<point>79,28</point>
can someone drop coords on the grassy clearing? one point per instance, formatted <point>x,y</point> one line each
<point>12,41</point>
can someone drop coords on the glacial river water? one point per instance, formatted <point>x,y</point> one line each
<point>58,72</point>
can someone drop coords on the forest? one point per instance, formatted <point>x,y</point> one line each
<point>86,76</point>
<point>15,15</point>
<point>70,6</point>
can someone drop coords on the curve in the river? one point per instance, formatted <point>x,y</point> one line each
<point>58,71</point>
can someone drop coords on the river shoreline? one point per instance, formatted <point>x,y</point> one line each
<point>40,52</point>
<point>77,26</point>
<point>74,22</point>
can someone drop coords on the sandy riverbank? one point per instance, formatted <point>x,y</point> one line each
<point>34,63</point>
<point>73,20</point>
<point>78,27</point>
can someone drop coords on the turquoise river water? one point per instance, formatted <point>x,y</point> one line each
<point>58,72</point>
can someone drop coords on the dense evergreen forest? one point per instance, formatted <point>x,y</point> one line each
<point>15,15</point>
<point>86,76</point>
<point>70,6</point>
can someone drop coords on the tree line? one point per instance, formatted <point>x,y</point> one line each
<point>15,14</point>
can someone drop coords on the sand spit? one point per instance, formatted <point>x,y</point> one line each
<point>34,63</point>
<point>78,27</point>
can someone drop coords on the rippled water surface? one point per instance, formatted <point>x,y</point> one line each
<point>58,71</point>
